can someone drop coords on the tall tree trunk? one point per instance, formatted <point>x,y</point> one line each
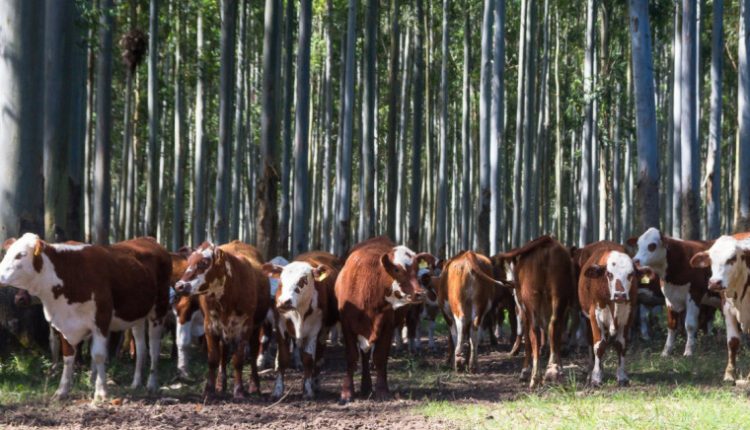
<point>367,194</point>
<point>713,163</point>
<point>676,126</point>
<point>327,129</point>
<point>585,234</point>
<point>690,174</point>
<point>518,152</point>
<point>180,149</point>
<point>200,162</point>
<point>402,136</point>
<point>286,150</point>
<point>239,110</point>
<point>442,198</point>
<point>393,109</point>
<point>269,128</point>
<point>302,129</point>
<point>76,153</point>
<point>485,101</point>
<point>558,223</point>
<point>416,156</point>
<point>498,129</point>
<point>152,189</point>
<point>742,181</point>
<point>466,135</point>
<point>647,205</point>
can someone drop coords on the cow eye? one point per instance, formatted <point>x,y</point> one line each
<point>732,260</point>
<point>19,256</point>
<point>609,276</point>
<point>652,247</point>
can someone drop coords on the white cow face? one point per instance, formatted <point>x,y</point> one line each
<point>204,269</point>
<point>296,283</point>
<point>402,265</point>
<point>725,258</point>
<point>651,250</point>
<point>23,262</point>
<point>620,274</point>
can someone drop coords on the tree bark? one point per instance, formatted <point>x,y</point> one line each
<point>742,220</point>
<point>485,101</point>
<point>585,231</point>
<point>442,197</point>
<point>466,136</point>
<point>690,174</point>
<point>178,208</point>
<point>418,126</point>
<point>152,189</point>
<point>327,130</point>
<point>200,162</point>
<point>286,150</point>
<point>676,126</point>
<point>393,109</point>
<point>367,193</point>
<point>498,129</point>
<point>712,182</point>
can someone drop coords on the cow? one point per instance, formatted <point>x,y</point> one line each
<point>465,296</point>
<point>305,310</point>
<point>608,294</point>
<point>187,313</point>
<point>234,298</point>
<point>378,277</point>
<point>729,261</point>
<point>684,287</point>
<point>268,329</point>
<point>542,272</point>
<point>90,290</point>
<point>409,318</point>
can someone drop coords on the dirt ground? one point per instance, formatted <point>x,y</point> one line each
<point>413,380</point>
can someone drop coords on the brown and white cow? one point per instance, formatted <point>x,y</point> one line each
<point>409,318</point>
<point>234,298</point>
<point>305,311</point>
<point>187,313</point>
<point>685,288</point>
<point>377,278</point>
<point>543,274</point>
<point>465,296</point>
<point>729,260</point>
<point>90,290</point>
<point>608,293</point>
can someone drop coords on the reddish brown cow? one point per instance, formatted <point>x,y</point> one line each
<point>90,290</point>
<point>465,296</point>
<point>377,278</point>
<point>543,274</point>
<point>234,298</point>
<point>305,311</point>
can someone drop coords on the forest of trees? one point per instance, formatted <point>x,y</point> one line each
<point>447,125</point>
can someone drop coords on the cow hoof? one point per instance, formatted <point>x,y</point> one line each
<point>623,382</point>
<point>239,393</point>
<point>525,375</point>
<point>728,379</point>
<point>553,375</point>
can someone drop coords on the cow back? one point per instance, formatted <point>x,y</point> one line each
<point>250,279</point>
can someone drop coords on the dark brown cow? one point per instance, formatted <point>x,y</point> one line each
<point>608,293</point>
<point>234,298</point>
<point>377,278</point>
<point>305,311</point>
<point>465,297</point>
<point>543,274</point>
<point>90,290</point>
<point>685,288</point>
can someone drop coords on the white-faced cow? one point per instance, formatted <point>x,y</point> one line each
<point>187,313</point>
<point>729,260</point>
<point>305,311</point>
<point>234,297</point>
<point>89,291</point>
<point>377,278</point>
<point>685,288</point>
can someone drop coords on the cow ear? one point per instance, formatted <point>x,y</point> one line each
<point>594,271</point>
<point>218,255</point>
<point>8,242</point>
<point>321,272</point>
<point>646,276</point>
<point>272,270</point>
<point>632,241</point>
<point>700,260</point>
<point>37,258</point>
<point>427,258</point>
<point>387,263</point>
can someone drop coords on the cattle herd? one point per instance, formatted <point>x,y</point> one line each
<point>239,303</point>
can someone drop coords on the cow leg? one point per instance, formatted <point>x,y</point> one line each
<point>380,358</point>
<point>154,346</point>
<point>183,337</point>
<point>212,359</point>
<point>513,321</point>
<point>520,331</point>
<point>66,380</point>
<point>352,351</point>
<point>282,363</point>
<point>671,332</point>
<point>319,357</point>
<point>459,360</point>
<point>254,347</point>
<point>412,329</point>
<point>223,358</point>
<point>238,359</point>
<point>526,370</point>
<point>691,325</point>
<point>555,329</point>
<point>308,347</point>
<point>643,319</point>
<point>54,346</point>
<point>451,338</point>
<point>597,351</point>
<point>620,346</point>
<point>733,343</point>
<point>535,334</point>
<point>139,334</point>
<point>366,384</point>
<point>99,359</point>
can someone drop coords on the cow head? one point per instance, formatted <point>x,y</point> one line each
<point>621,274</point>
<point>402,265</point>
<point>297,283</point>
<point>23,262</point>
<point>206,270</point>
<point>727,259</point>
<point>652,251</point>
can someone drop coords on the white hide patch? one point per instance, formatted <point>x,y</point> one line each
<point>293,276</point>
<point>64,247</point>
<point>403,256</point>
<point>621,267</point>
<point>396,298</point>
<point>656,259</point>
<point>676,296</point>
<point>364,344</point>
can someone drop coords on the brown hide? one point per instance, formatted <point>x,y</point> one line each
<point>325,288</point>
<point>594,292</point>
<point>679,270</point>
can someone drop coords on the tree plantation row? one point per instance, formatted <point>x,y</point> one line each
<point>446,125</point>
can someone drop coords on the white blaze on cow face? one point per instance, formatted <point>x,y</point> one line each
<point>727,268</point>
<point>297,285</point>
<point>651,252</point>
<point>18,269</point>
<point>620,272</point>
<point>404,277</point>
<point>194,279</point>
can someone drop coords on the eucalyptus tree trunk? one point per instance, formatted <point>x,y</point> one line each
<point>585,233</point>
<point>528,119</point>
<point>690,174</point>
<point>286,150</point>
<point>407,67</point>
<point>344,187</point>
<point>617,170</point>
<point>132,59</point>
<point>302,129</point>
<point>742,181</point>
<point>367,193</point>
<point>538,202</point>
<point>442,197</point>
<point>416,156</point>
<point>239,111</point>
<point>518,152</point>
<point>676,159</point>
<point>180,149</point>
<point>327,129</point>
<point>266,219</point>
<point>712,182</point>
<point>59,36</point>
<point>76,152</point>
<point>647,191</point>
<point>393,109</point>
<point>152,189</point>
<point>485,101</point>
<point>558,219</point>
<point>200,152</point>
<point>498,129</point>
<point>466,136</point>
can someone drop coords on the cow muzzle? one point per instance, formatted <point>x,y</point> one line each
<point>285,306</point>
<point>620,297</point>
<point>182,288</point>
<point>715,285</point>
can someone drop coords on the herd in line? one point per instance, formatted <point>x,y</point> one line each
<point>239,302</point>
